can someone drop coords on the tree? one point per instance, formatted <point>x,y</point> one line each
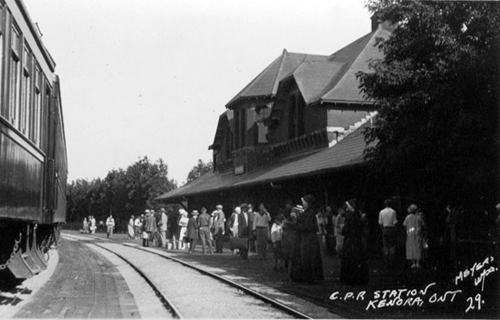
<point>436,91</point>
<point>144,182</point>
<point>121,193</point>
<point>199,170</point>
<point>77,201</point>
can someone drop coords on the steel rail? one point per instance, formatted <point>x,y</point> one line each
<point>295,313</point>
<point>164,300</point>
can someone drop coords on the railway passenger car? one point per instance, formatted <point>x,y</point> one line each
<point>33,161</point>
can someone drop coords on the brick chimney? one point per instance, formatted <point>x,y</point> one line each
<point>375,22</point>
<point>385,25</point>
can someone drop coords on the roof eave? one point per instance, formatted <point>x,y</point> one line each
<point>361,104</point>
<point>232,104</point>
<point>251,184</point>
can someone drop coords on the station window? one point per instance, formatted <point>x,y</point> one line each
<point>300,116</point>
<point>14,76</point>
<point>296,123</point>
<point>228,137</point>
<point>292,119</point>
<point>260,134</point>
<point>241,128</point>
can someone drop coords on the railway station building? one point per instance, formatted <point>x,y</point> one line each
<point>296,128</point>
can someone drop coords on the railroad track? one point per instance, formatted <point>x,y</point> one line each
<point>224,297</point>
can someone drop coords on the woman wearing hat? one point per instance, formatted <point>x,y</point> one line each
<point>413,224</point>
<point>307,265</point>
<point>353,265</point>
<point>130,228</point>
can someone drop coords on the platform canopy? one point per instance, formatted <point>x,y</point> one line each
<point>346,153</point>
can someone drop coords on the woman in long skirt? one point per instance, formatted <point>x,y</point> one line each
<point>130,228</point>
<point>353,267</point>
<point>183,222</point>
<point>307,265</point>
<point>413,224</point>
<point>85,225</point>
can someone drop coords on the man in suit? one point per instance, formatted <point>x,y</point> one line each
<point>244,228</point>
<point>218,227</point>
<point>110,224</point>
<point>252,236</point>
<point>204,225</point>
<point>163,227</point>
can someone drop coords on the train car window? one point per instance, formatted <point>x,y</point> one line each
<point>3,107</point>
<point>26,125</point>
<point>45,113</point>
<point>27,89</point>
<point>15,70</point>
<point>37,106</point>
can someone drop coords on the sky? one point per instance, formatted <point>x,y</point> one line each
<point>151,77</point>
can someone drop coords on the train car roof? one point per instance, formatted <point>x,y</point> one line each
<point>34,31</point>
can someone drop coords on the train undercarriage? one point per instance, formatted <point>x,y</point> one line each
<point>24,248</point>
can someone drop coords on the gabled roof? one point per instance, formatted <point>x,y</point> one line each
<point>266,83</point>
<point>359,53</point>
<point>321,79</point>
<point>312,77</point>
<point>315,78</point>
<point>219,132</point>
<point>345,153</point>
<point>334,80</point>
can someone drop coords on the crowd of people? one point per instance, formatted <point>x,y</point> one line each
<point>296,235</point>
<point>299,235</point>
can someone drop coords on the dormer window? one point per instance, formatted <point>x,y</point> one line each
<point>240,128</point>
<point>262,112</point>
<point>296,123</point>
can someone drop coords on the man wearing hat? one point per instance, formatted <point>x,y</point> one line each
<point>219,220</point>
<point>204,224</point>
<point>163,227</point>
<point>244,227</point>
<point>251,238</point>
<point>110,224</point>
<point>144,233</point>
<point>261,230</point>
<point>150,226</point>
<point>243,221</point>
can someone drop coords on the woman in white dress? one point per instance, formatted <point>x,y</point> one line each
<point>183,223</point>
<point>414,228</point>
<point>130,228</point>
